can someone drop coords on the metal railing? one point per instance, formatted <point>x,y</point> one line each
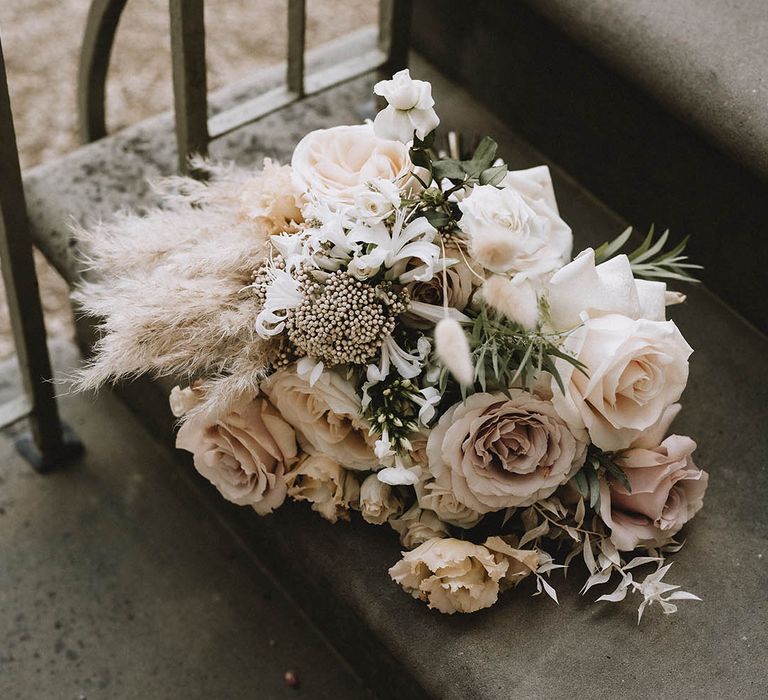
<point>49,442</point>
<point>194,129</point>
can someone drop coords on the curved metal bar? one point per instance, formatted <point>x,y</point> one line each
<point>100,29</point>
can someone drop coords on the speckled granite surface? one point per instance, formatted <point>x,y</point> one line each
<point>523,647</point>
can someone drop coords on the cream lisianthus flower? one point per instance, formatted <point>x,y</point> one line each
<point>521,562</point>
<point>243,453</point>
<point>409,108</point>
<point>451,575</point>
<point>325,484</point>
<point>635,370</point>
<point>326,415</point>
<point>514,233</point>
<point>417,525</point>
<point>335,164</point>
<point>667,491</point>
<point>378,501</point>
<point>497,451</point>
<point>581,287</point>
<point>269,198</point>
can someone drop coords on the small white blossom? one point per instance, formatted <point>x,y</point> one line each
<point>409,110</point>
<point>283,294</point>
<point>402,244</point>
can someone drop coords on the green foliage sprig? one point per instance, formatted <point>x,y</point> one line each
<point>506,354</point>
<point>650,260</point>
<point>598,463</point>
<point>477,170</point>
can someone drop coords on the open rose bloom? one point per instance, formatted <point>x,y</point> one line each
<point>389,336</point>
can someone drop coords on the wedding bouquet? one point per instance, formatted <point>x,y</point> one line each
<point>383,328</point>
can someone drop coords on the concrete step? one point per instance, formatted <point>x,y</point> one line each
<point>658,108</point>
<point>522,647</point>
<point>116,584</point>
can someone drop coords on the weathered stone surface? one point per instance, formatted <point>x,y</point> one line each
<point>528,647</point>
<point>116,584</point>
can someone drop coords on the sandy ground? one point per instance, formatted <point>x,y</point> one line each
<point>41,42</point>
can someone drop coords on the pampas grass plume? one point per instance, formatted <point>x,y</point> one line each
<point>453,350</point>
<point>516,301</point>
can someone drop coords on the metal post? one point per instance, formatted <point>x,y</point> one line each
<point>48,445</point>
<point>395,34</point>
<point>100,28</point>
<point>297,23</point>
<point>190,90</point>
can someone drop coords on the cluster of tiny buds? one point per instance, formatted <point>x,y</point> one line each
<point>343,320</point>
<point>261,278</point>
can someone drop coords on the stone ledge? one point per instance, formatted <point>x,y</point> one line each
<point>522,647</point>
<point>706,62</point>
<point>646,160</point>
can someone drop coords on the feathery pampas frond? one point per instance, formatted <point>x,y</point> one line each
<point>169,290</point>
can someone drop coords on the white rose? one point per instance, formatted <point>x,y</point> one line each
<point>378,501</point>
<point>451,575</point>
<point>326,415</point>
<point>513,233</point>
<point>636,370</point>
<point>376,201</point>
<point>325,484</point>
<point>410,108</point>
<point>334,164</point>
<point>609,288</point>
<point>243,453</point>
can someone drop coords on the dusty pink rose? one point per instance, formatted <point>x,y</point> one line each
<point>243,453</point>
<point>503,451</point>
<point>667,491</point>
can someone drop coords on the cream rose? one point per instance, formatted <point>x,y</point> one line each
<point>378,501</point>
<point>451,575</point>
<point>500,452</point>
<point>667,491</point>
<point>437,495</point>
<point>336,164</point>
<point>326,416</point>
<point>512,232</point>
<point>326,485</point>
<point>243,453</point>
<point>636,370</point>
<point>417,525</point>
